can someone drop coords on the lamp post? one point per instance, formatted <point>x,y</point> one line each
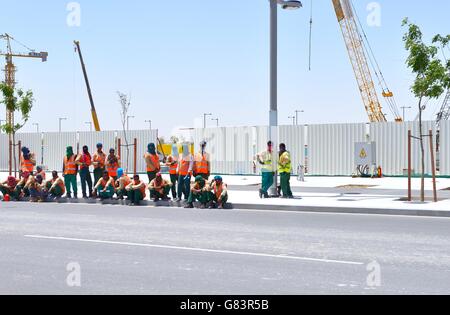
<point>61,119</point>
<point>204,119</point>
<point>216,120</point>
<point>150,123</point>
<point>90,125</point>
<point>273,116</point>
<point>403,108</point>
<point>293,119</point>
<point>296,115</point>
<point>37,127</point>
<point>128,122</point>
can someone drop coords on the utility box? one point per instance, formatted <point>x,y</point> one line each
<point>365,154</point>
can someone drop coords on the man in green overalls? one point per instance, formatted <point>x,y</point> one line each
<point>267,170</point>
<point>284,169</point>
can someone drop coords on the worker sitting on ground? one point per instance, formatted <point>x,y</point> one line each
<point>21,191</point>
<point>7,188</point>
<point>112,164</point>
<point>121,183</point>
<point>40,171</point>
<point>159,188</point>
<point>27,161</point>
<point>136,191</point>
<point>152,162</point>
<point>36,187</point>
<point>104,189</point>
<point>199,191</point>
<point>218,194</point>
<point>55,187</point>
<point>70,171</point>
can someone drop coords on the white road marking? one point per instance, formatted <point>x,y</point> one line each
<point>217,251</point>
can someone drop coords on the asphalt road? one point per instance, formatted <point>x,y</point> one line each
<point>123,250</point>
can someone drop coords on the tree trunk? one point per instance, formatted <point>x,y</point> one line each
<point>14,153</point>
<point>422,151</point>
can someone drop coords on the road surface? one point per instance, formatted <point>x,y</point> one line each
<point>92,249</point>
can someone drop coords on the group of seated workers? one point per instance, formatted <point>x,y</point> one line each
<point>36,188</point>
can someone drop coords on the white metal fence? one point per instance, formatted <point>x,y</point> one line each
<point>444,154</point>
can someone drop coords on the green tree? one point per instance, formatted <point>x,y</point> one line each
<point>16,100</point>
<point>432,77</point>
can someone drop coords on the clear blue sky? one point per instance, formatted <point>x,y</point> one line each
<point>182,58</point>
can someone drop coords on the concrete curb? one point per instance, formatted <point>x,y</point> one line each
<point>244,206</point>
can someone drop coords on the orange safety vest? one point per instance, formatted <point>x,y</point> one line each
<point>201,164</point>
<point>27,165</point>
<point>127,180</point>
<point>154,166</point>
<point>86,159</point>
<point>173,168</point>
<point>70,167</point>
<point>112,169</point>
<point>103,182</point>
<point>218,191</point>
<point>184,167</point>
<point>100,158</point>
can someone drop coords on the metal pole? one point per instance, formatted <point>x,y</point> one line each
<point>409,166</point>
<point>135,156</point>
<point>433,167</point>
<point>150,123</point>
<point>204,120</point>
<point>273,115</point>
<point>10,157</point>
<point>296,115</point>
<point>19,149</point>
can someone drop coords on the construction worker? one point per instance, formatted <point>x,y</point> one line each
<point>21,190</point>
<point>172,164</point>
<point>159,188</point>
<point>218,194</point>
<point>70,173</point>
<point>202,164</point>
<point>40,171</point>
<point>8,188</point>
<point>122,182</point>
<point>99,161</point>
<point>136,191</point>
<point>199,191</point>
<point>27,161</point>
<point>285,169</point>
<point>104,189</point>
<point>184,171</point>
<point>152,162</point>
<point>55,187</point>
<point>267,170</point>
<point>112,164</point>
<point>36,188</point>
<point>84,161</point>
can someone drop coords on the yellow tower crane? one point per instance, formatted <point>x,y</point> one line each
<point>10,68</point>
<point>357,52</point>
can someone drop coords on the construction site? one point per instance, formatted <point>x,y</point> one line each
<point>387,153</point>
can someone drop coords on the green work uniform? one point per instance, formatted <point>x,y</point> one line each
<point>56,192</point>
<point>70,180</point>
<point>135,196</point>
<point>267,171</point>
<point>202,197</point>
<point>285,168</point>
<point>11,192</point>
<point>107,194</point>
<point>156,194</point>
<point>98,173</point>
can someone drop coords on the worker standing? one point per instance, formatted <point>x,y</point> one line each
<point>70,173</point>
<point>172,164</point>
<point>112,164</point>
<point>202,164</point>
<point>184,171</point>
<point>27,161</point>
<point>99,161</point>
<point>122,182</point>
<point>267,170</point>
<point>285,169</point>
<point>136,191</point>
<point>152,162</point>
<point>84,161</point>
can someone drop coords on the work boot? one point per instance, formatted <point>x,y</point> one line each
<point>165,198</point>
<point>155,199</point>
<point>202,206</point>
<point>189,205</point>
<point>266,195</point>
<point>220,206</point>
<point>261,194</point>
<point>75,196</point>
<point>69,196</point>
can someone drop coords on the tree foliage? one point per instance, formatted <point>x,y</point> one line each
<point>16,101</point>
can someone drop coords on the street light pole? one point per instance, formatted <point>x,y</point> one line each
<point>128,122</point>
<point>296,115</point>
<point>61,119</point>
<point>293,119</point>
<point>273,115</point>
<point>37,127</point>
<point>204,119</point>
<point>150,123</point>
<point>216,120</point>
<point>403,108</point>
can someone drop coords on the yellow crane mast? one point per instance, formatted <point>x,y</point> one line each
<point>356,50</point>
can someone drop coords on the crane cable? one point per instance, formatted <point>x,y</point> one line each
<point>310,35</point>
<point>375,65</point>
